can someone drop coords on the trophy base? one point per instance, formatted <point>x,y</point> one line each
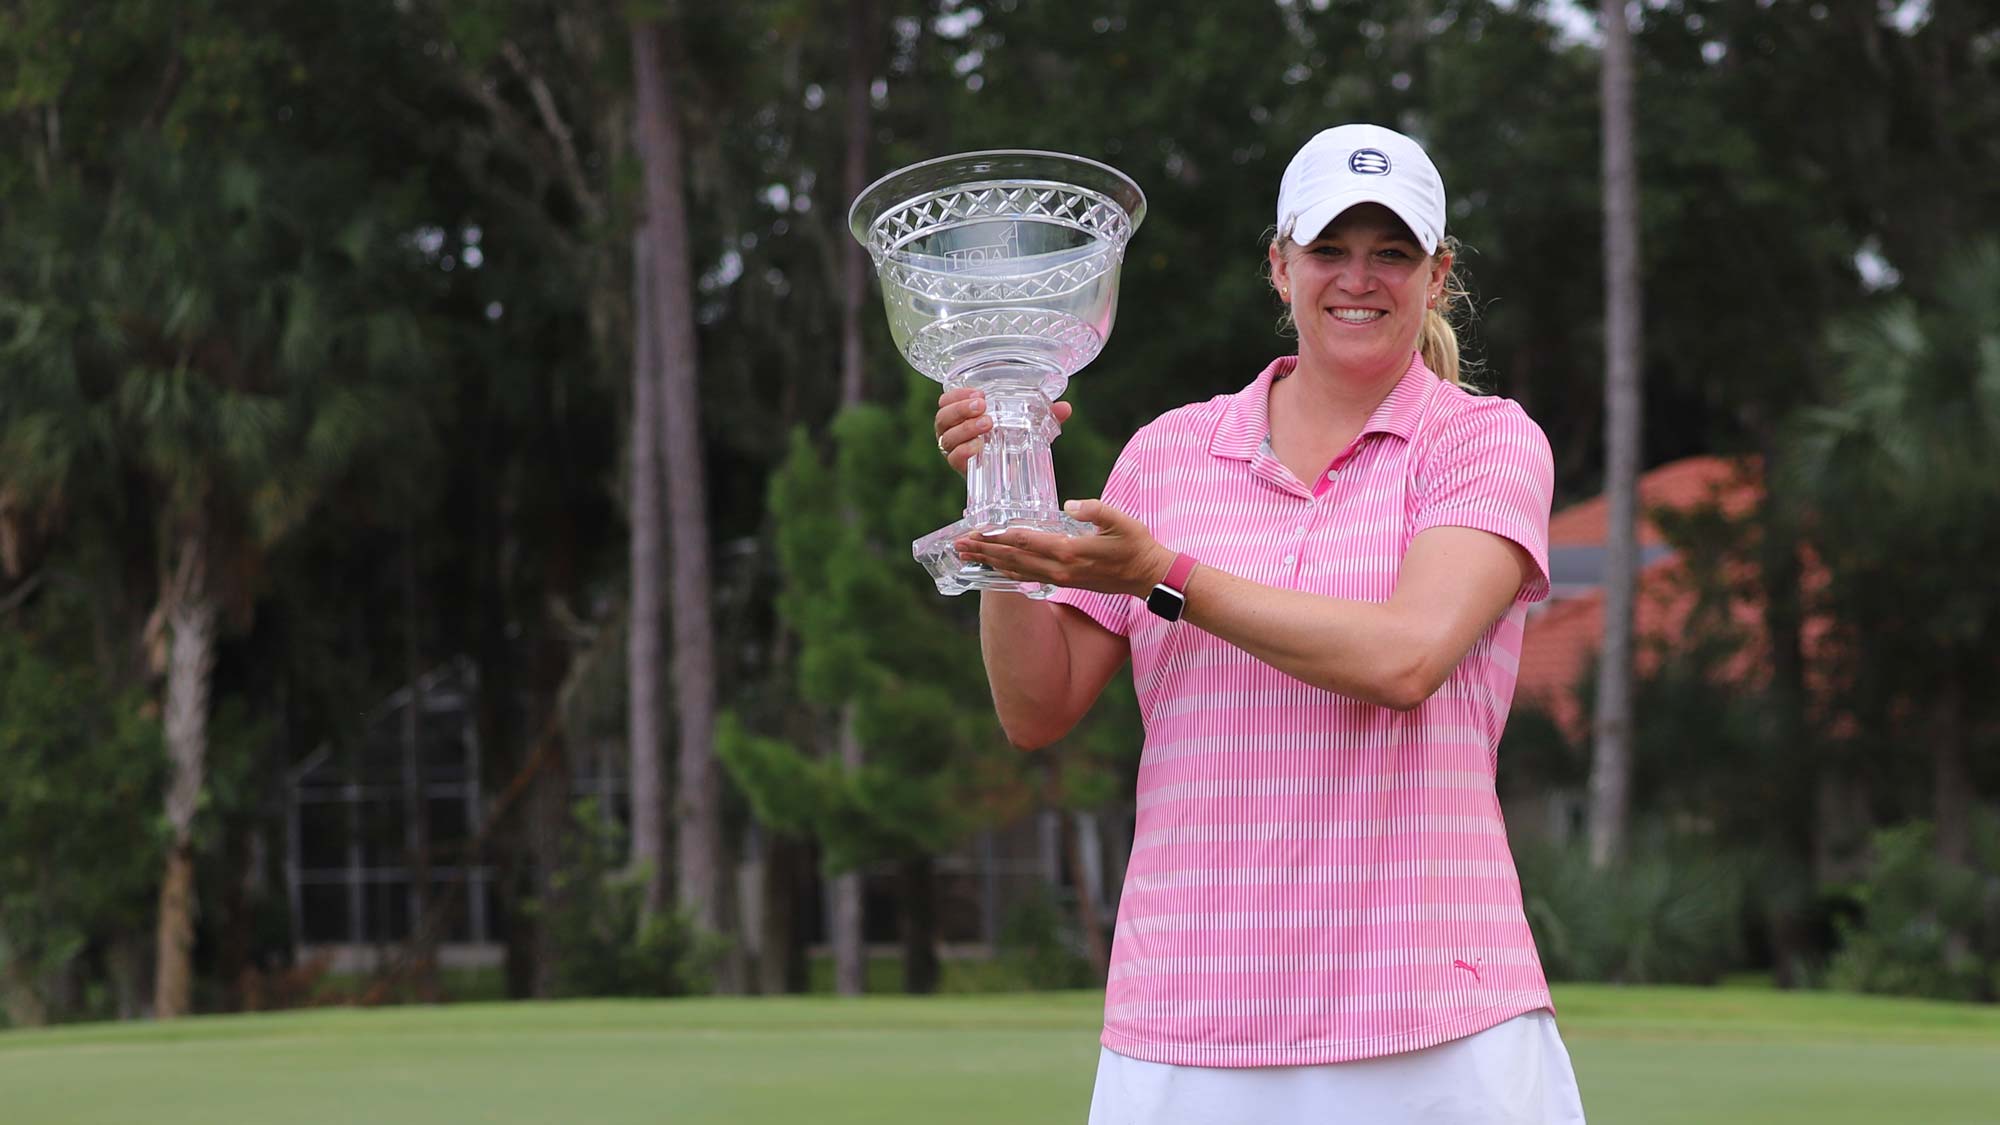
<point>955,576</point>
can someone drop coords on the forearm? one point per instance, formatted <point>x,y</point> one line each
<point>1371,651</point>
<point>1027,665</point>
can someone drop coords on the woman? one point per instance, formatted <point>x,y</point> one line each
<point>1320,581</point>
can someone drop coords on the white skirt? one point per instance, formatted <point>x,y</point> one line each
<point>1515,1073</point>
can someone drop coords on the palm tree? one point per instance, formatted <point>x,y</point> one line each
<point>1905,489</point>
<point>218,346</point>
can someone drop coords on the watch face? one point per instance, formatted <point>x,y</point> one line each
<point>1166,603</point>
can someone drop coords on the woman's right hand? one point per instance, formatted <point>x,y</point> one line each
<point>962,422</point>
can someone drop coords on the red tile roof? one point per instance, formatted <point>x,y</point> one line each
<point>1677,485</point>
<point>1563,635</point>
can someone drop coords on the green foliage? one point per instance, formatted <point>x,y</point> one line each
<point>878,647</point>
<point>1536,756</point>
<point>1901,469</point>
<point>1898,476</point>
<point>1902,460</point>
<point>1040,948</point>
<point>80,835</point>
<point>1671,914</point>
<point>1704,755</point>
<point>214,297</point>
<point>1927,928</point>
<point>788,791</point>
<point>593,917</point>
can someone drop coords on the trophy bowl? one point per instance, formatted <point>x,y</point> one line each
<point>999,271</point>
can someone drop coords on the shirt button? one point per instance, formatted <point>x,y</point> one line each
<point>1289,559</point>
<point>1299,530</point>
<point>1333,474</point>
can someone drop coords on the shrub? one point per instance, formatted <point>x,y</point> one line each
<point>1040,948</point>
<point>1926,928</point>
<point>600,946</point>
<point>80,829</point>
<point>1671,916</point>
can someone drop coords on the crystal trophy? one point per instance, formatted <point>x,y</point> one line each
<point>999,271</point>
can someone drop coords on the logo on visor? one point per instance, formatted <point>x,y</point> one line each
<point>1368,162</point>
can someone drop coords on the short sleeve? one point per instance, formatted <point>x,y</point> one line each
<point>1121,491</point>
<point>1491,469</point>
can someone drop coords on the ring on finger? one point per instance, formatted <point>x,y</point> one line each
<point>940,445</point>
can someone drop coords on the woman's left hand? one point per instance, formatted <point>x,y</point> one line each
<point>1122,558</point>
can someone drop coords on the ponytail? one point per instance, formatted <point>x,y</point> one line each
<point>1439,345</point>
<point>1438,341</point>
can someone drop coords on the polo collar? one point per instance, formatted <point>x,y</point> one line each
<point>1246,421</point>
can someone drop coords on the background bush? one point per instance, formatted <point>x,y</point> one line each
<point>1927,928</point>
<point>1670,916</point>
<point>600,946</point>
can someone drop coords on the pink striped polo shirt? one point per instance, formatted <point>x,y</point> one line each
<point>1315,879</point>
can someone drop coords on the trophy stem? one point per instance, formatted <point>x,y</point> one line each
<point>1010,483</point>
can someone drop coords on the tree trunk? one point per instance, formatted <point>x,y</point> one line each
<point>854,261</point>
<point>1796,828</point>
<point>846,916</point>
<point>1951,775</point>
<point>20,997</point>
<point>422,949</point>
<point>1611,760</point>
<point>191,617</point>
<point>503,739</point>
<point>847,931</point>
<point>1085,872</point>
<point>698,812</point>
<point>127,964</point>
<point>235,930</point>
<point>644,721</point>
<point>1951,780</point>
<point>850,958</point>
<point>781,966</point>
<point>173,978</point>
<point>548,824</point>
<point>918,902</point>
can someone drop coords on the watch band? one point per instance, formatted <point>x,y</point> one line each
<point>1169,596</point>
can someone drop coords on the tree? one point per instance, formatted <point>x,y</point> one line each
<point>645,717</point>
<point>525,104</point>
<point>1611,760</point>
<point>700,856</point>
<point>79,850</point>
<point>880,645</point>
<point>225,363</point>
<point>850,963</point>
<point>206,337</point>
<point>1905,509</point>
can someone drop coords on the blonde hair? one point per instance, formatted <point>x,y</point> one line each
<point>1437,342</point>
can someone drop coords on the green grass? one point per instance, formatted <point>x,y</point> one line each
<point>1642,1055</point>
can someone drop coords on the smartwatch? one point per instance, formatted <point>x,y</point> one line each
<point>1168,598</point>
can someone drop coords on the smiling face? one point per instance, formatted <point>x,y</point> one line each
<point>1358,293</point>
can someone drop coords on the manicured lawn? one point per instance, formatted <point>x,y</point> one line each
<point>1643,1055</point>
